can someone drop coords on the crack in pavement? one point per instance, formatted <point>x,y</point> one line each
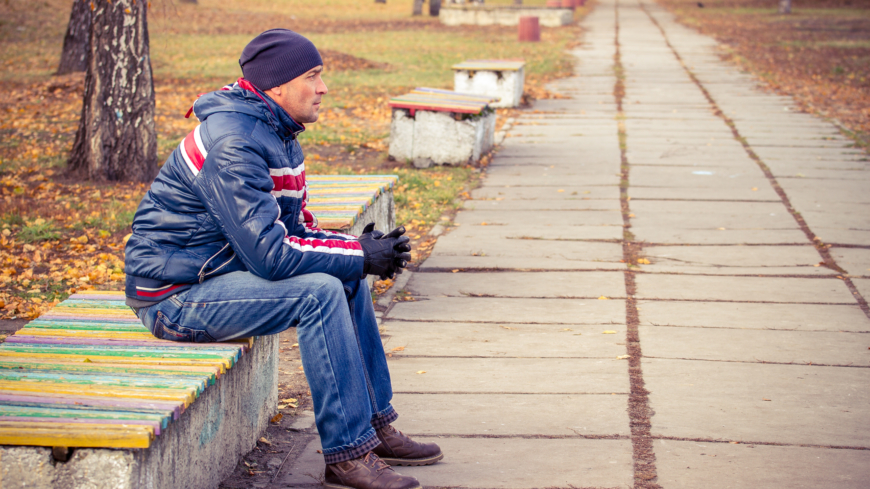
<point>764,443</point>
<point>802,364</point>
<point>645,472</point>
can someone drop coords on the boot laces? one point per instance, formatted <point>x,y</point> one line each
<point>375,462</point>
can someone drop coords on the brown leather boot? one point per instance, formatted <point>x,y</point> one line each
<point>398,449</point>
<point>366,472</point>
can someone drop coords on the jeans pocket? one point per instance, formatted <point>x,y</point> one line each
<point>167,330</point>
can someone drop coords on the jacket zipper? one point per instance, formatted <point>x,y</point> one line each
<point>203,275</point>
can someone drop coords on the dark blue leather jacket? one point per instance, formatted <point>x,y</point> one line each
<point>232,197</point>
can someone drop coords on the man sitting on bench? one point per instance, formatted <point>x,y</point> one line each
<point>223,248</point>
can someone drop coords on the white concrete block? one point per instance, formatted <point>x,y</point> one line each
<point>507,85</point>
<point>503,15</point>
<point>438,138</point>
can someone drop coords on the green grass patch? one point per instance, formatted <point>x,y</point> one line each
<point>39,230</point>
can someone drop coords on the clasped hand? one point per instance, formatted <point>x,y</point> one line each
<point>385,254</point>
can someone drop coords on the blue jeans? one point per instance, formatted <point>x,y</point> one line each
<point>341,348</point>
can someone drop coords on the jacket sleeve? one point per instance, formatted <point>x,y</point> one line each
<point>236,190</point>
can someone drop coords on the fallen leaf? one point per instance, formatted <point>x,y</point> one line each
<point>567,329</point>
<point>506,327</point>
<point>264,440</point>
<point>560,190</point>
<point>643,261</point>
<point>421,371</point>
<point>604,298</point>
<point>622,357</point>
<point>277,418</point>
<point>755,189</point>
<point>765,399</point>
<point>398,348</point>
<point>609,331</point>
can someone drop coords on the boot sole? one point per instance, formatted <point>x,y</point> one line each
<point>415,462</point>
<point>331,485</point>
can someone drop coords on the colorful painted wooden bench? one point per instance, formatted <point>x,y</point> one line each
<point>347,203</point>
<point>502,78</point>
<point>89,374</point>
<point>432,126</point>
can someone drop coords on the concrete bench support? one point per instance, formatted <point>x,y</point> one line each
<point>503,15</point>
<point>498,78</point>
<point>437,127</point>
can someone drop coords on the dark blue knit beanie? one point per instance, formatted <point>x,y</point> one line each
<point>276,57</point>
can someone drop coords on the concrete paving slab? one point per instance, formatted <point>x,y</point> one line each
<point>748,289</point>
<point>518,284</point>
<point>842,236</point>
<point>754,345</point>
<point>669,176</point>
<point>856,261</point>
<point>512,311</point>
<point>505,463</point>
<point>525,254</point>
<point>508,414</point>
<point>509,375</point>
<point>799,317</point>
<point>712,215</point>
<point>546,193</point>
<point>736,260</point>
<point>501,340</point>
<point>728,401</point>
<point>653,233</point>
<point>549,233</point>
<point>690,465</point>
<point>517,178</point>
<point>532,219</point>
<point>863,286</point>
<point>757,194</point>
<point>572,204</point>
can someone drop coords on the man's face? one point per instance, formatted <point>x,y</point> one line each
<point>300,97</point>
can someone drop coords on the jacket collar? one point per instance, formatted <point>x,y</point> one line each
<point>287,127</point>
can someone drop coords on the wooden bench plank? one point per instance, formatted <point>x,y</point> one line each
<point>75,435</point>
<point>490,65</point>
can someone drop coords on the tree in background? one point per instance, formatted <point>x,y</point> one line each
<point>434,7</point>
<point>75,44</point>
<point>116,138</point>
<point>785,6</point>
<point>418,7</point>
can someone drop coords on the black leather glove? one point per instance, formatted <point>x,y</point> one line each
<point>402,247</point>
<point>384,254</point>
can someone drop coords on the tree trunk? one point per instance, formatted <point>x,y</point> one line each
<point>434,7</point>
<point>418,7</point>
<point>785,6</point>
<point>518,2</point>
<point>380,1</point>
<point>116,139</point>
<point>188,1</point>
<point>75,43</point>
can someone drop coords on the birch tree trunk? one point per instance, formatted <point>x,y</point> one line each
<point>75,43</point>
<point>418,7</point>
<point>116,139</point>
<point>785,6</point>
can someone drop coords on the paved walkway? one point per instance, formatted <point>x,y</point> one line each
<point>633,297</point>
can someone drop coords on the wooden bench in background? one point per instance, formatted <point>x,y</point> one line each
<point>140,412</point>
<point>432,126</point>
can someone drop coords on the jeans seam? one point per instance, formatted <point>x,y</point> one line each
<point>362,357</point>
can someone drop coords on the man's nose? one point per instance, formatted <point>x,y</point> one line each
<point>321,86</point>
